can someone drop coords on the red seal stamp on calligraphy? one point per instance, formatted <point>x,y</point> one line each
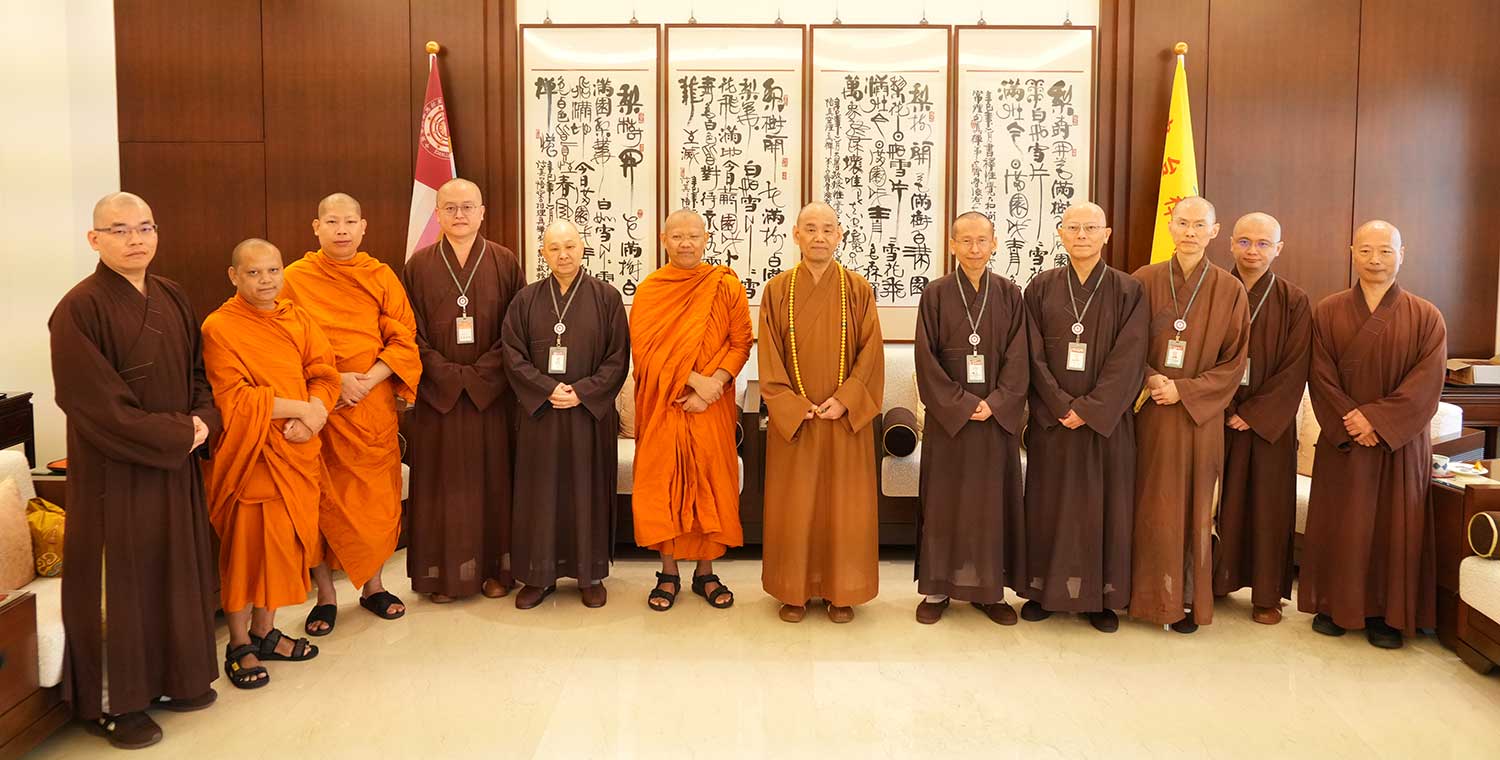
<point>435,138</point>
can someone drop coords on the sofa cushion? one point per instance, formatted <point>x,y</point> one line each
<point>900,477</point>
<point>1479,586</point>
<point>17,567</point>
<point>1307,434</point>
<point>46,522</point>
<point>49,629</point>
<point>13,466</point>
<point>1304,494</point>
<point>625,406</point>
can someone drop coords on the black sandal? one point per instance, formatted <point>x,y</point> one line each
<point>700,585</point>
<point>242,677</point>
<point>302,649</point>
<point>323,613</point>
<point>660,593</point>
<point>380,605</point>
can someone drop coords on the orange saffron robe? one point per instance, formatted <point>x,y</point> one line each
<point>263,490</point>
<point>363,309</point>
<point>686,500</point>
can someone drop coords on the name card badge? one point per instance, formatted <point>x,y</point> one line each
<point>465,330</point>
<point>557,360</point>
<point>1176,353</point>
<point>1245,380</point>
<point>1077,356</point>
<point>976,368</point>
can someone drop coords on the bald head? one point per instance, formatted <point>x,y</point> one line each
<point>255,272</point>
<point>1196,207</point>
<point>1194,225</point>
<point>684,236</point>
<point>115,205</point>
<point>460,208</point>
<point>974,218</point>
<point>817,210</point>
<point>818,233</point>
<point>1255,244</point>
<point>1083,231</point>
<point>124,235</point>
<point>339,203</point>
<point>1378,254</point>
<point>340,226</point>
<point>1379,231</point>
<point>249,248</point>
<point>458,185</point>
<point>562,247</point>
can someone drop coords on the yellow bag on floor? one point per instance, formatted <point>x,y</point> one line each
<point>46,522</point>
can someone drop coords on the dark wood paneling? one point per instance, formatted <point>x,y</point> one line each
<point>1158,25</point>
<point>339,117</point>
<point>1280,132</point>
<point>505,120</point>
<point>458,25</point>
<point>1112,145</point>
<point>207,197</point>
<point>1429,152</point>
<point>188,69</point>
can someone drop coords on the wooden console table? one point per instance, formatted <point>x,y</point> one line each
<point>1452,504</point>
<point>1481,405</point>
<point>16,425</point>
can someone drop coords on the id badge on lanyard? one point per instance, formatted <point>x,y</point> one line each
<point>465,326</point>
<point>975,363</point>
<point>1245,379</point>
<point>1176,353</point>
<point>1077,356</point>
<point>557,360</point>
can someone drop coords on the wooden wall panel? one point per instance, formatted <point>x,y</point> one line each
<point>1429,153</point>
<point>188,70</point>
<point>1280,131</point>
<point>339,117</point>
<point>207,197</point>
<point>1158,25</point>
<point>459,26</point>
<point>1112,144</point>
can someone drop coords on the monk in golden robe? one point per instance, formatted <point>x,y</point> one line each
<point>274,381</point>
<point>690,332</point>
<point>822,372</point>
<point>360,305</point>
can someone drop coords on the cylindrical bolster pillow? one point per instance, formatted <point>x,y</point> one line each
<point>739,434</point>
<point>1484,534</point>
<point>900,436</point>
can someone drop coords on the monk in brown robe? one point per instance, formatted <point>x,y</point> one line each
<point>972,374</point>
<point>1194,361</point>
<point>359,303</point>
<point>1258,507</point>
<point>128,366</point>
<point>274,381</point>
<point>458,518</point>
<point>822,375</point>
<point>690,334</point>
<point>1378,362</point>
<point>1080,444</point>
<point>567,351</point>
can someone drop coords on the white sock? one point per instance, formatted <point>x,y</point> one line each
<point>936,598</point>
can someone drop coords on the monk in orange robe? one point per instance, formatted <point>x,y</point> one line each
<point>690,333</point>
<point>274,381</point>
<point>364,311</point>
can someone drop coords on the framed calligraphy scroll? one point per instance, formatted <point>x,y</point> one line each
<point>880,154</point>
<point>590,144</point>
<point>735,106</point>
<point>1025,135</point>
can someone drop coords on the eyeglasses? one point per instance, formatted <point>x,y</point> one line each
<point>123,232</point>
<point>1244,244</point>
<point>1074,229</point>
<point>452,209</point>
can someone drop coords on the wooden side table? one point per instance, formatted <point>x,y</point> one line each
<point>1452,504</point>
<point>17,425</point>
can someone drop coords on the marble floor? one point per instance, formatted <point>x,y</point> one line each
<point>480,678</point>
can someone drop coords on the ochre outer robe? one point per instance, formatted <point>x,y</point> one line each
<point>1258,506</point>
<point>461,432</point>
<point>972,531</point>
<point>1369,549</point>
<point>263,490</point>
<point>1080,483</point>
<point>686,499</point>
<point>128,370</point>
<point>821,522</point>
<point>1180,447</point>
<point>362,308</point>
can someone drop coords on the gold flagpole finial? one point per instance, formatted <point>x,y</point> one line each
<point>433,47</point>
<point>1180,48</point>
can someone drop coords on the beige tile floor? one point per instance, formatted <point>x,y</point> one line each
<point>480,678</point>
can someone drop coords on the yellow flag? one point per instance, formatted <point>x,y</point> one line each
<point>1179,165</point>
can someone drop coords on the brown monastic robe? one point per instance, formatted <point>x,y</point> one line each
<point>1369,548</point>
<point>1181,445</point>
<point>458,513</point>
<point>566,464</point>
<point>1080,484</point>
<point>972,528</point>
<point>1258,507</point>
<point>129,375</point>
<point>821,525</point>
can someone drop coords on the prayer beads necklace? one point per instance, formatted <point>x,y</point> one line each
<point>791,319</point>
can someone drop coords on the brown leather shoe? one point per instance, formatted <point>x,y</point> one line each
<point>793,613</point>
<point>931,612</point>
<point>494,589</point>
<point>440,598</point>
<point>840,614</point>
<point>1266,615</point>
<point>201,702</point>
<point>531,596</point>
<point>1000,612</point>
<point>594,595</point>
<point>129,731</point>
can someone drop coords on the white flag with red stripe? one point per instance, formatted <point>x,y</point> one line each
<point>434,163</point>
